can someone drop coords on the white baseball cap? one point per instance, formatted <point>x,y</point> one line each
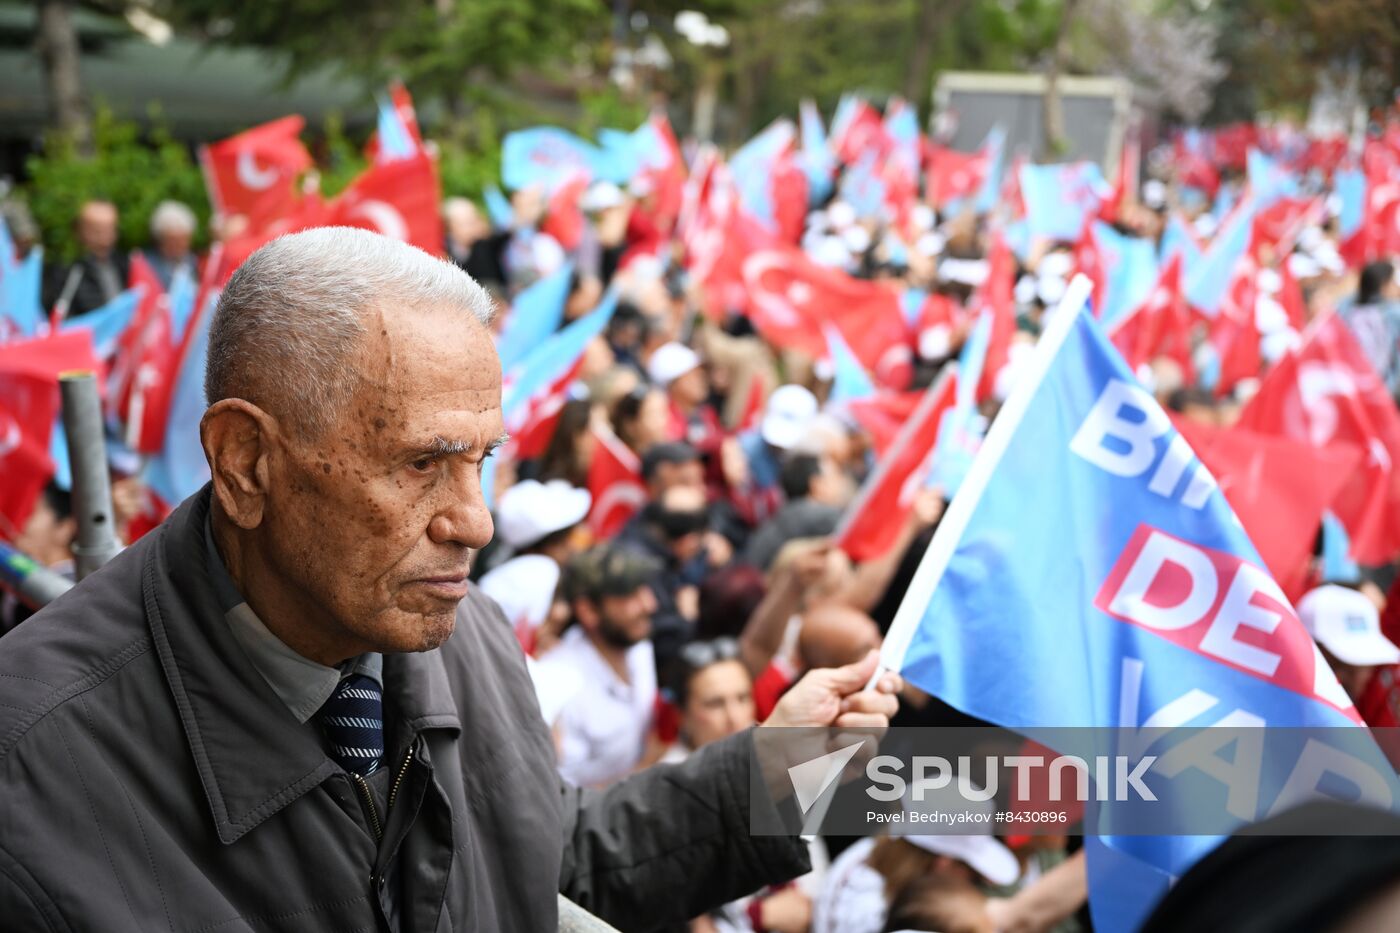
<point>1347,624</point>
<point>531,510</point>
<point>980,851</point>
<point>670,361</point>
<point>600,196</point>
<point>789,412</point>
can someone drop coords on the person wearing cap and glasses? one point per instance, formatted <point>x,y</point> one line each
<point>598,687</point>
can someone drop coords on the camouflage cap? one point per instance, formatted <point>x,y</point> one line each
<point>608,570</point>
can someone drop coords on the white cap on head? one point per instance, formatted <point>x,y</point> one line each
<point>841,214</point>
<point>600,196</point>
<point>857,239</point>
<point>1347,624</point>
<point>1205,225</point>
<point>531,510</point>
<point>1154,193</point>
<point>981,851</point>
<point>670,361</point>
<point>1058,264</point>
<point>1303,266</point>
<point>789,412</point>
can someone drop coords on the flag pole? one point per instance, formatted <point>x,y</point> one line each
<point>92,487</point>
<point>940,549</point>
<point>31,582</point>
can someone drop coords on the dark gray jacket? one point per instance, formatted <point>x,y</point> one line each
<point>151,780</point>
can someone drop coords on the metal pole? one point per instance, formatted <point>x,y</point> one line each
<point>574,919</point>
<point>32,583</point>
<point>87,457</point>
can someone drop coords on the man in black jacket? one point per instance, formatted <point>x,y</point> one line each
<point>287,708</point>
<point>101,272</point>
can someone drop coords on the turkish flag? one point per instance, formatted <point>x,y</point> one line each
<point>1235,331</point>
<point>873,522</point>
<point>883,416</point>
<point>789,189</point>
<point>996,299</point>
<point>1089,262</point>
<point>1160,326</point>
<point>1324,393</point>
<point>29,405</point>
<point>1278,226</point>
<point>255,172</point>
<point>398,199</point>
<point>1194,170</point>
<point>1278,487</point>
<point>1125,186</point>
<point>953,175</point>
<point>667,175</point>
<point>864,130</point>
<point>563,219</point>
<point>143,370</point>
<point>615,482</point>
<point>791,300</point>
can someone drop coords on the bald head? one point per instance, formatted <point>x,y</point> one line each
<point>834,635</point>
<point>293,318</point>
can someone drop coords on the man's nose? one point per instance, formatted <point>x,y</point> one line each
<point>462,517</point>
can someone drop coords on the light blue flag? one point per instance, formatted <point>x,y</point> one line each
<point>1018,238</point>
<point>107,323</point>
<point>818,162</point>
<point>20,281</point>
<point>752,168</point>
<point>546,157</point>
<point>1177,238</point>
<point>551,361</point>
<point>1224,203</point>
<point>1269,180</point>
<point>1131,264</point>
<point>911,303</point>
<point>498,208</point>
<point>179,470</point>
<point>184,290</point>
<point>534,316</point>
<point>960,432</point>
<point>990,192</point>
<point>1337,566</point>
<point>1090,573</point>
<point>1058,197</point>
<point>1350,186</point>
<point>1208,282</point>
<point>863,188</point>
<point>395,141</point>
<point>850,382</point>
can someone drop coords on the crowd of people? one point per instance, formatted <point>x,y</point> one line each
<point>723,578</point>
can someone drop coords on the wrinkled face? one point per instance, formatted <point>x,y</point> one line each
<point>377,520</point>
<point>719,703</point>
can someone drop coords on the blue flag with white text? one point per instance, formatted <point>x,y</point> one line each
<point>1090,573</point>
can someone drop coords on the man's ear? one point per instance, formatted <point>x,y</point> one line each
<point>237,437</point>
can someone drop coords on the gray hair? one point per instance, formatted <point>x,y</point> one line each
<point>172,216</point>
<point>293,314</point>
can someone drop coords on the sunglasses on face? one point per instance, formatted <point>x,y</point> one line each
<point>698,654</point>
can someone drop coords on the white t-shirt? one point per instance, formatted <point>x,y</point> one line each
<point>852,898</point>
<point>603,721</point>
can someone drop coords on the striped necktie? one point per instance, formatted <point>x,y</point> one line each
<point>353,723</point>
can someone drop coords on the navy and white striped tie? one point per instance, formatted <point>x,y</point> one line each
<point>353,723</point>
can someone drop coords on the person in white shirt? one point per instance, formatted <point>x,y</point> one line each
<point>602,677</point>
<point>537,521</point>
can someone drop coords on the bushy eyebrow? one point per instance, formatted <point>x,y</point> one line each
<point>441,447</point>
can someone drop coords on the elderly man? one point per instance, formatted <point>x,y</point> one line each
<point>172,231</point>
<point>287,707</point>
<point>101,271</point>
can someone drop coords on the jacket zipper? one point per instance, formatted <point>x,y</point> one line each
<point>365,792</point>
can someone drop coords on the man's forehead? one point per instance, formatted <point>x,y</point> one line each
<point>415,350</point>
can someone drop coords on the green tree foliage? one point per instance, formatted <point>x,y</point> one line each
<point>135,173</point>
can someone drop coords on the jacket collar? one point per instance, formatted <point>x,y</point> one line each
<point>252,755</point>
